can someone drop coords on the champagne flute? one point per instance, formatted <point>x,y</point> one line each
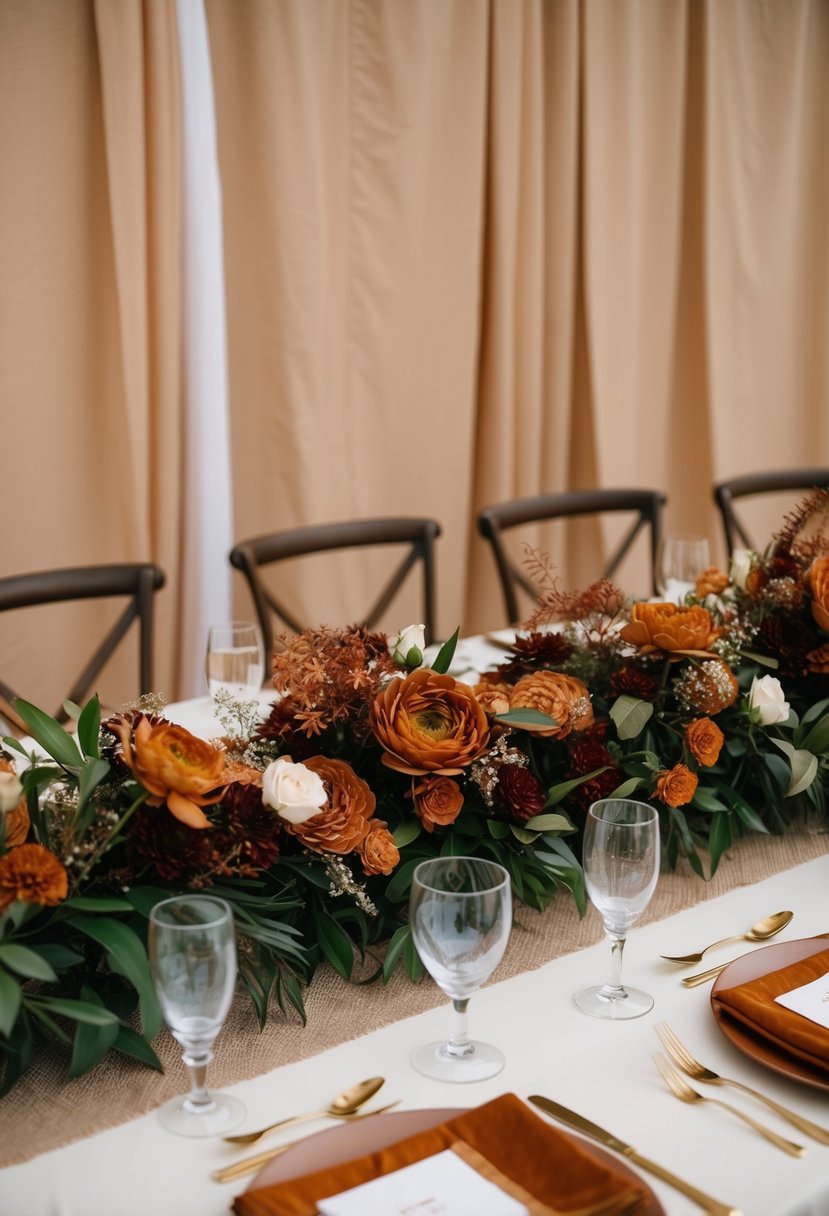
<point>681,559</point>
<point>621,866</point>
<point>192,951</point>
<point>460,912</point>
<point>235,659</point>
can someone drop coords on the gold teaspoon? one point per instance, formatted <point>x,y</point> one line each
<point>345,1103</point>
<point>761,932</point>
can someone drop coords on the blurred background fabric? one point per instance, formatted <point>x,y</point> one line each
<point>467,250</point>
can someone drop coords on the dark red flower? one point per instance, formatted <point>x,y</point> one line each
<point>789,641</point>
<point>586,756</point>
<point>282,725</point>
<point>632,682</point>
<point>250,832</point>
<point>175,852</point>
<point>518,792</point>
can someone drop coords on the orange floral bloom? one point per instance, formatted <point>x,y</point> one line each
<point>33,875</point>
<point>561,697</point>
<point>708,688</point>
<point>675,786</point>
<point>378,851</point>
<point>712,581</point>
<point>342,824</point>
<point>437,801</point>
<point>429,723</point>
<point>677,631</point>
<point>818,660</point>
<point>16,826</point>
<point>818,580</point>
<point>175,766</point>
<point>494,697</point>
<point>705,739</point>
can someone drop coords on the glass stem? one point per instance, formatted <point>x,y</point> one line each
<point>197,1058</point>
<point>459,1044</point>
<point>613,989</point>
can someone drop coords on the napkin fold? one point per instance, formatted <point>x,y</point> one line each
<point>548,1164</point>
<point>752,1004</point>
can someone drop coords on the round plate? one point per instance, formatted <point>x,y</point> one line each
<point>751,967</point>
<point>338,1144</point>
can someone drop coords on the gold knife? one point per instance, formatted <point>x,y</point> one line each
<point>691,981</point>
<point>712,1206</point>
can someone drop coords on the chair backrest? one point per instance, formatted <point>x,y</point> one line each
<point>250,556</point>
<point>645,505</point>
<point>136,581</point>
<point>725,492</point>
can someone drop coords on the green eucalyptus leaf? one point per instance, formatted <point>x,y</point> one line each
<point>631,715</point>
<point>526,719</point>
<point>803,767</point>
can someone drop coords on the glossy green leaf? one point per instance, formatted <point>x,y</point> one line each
<point>706,800</point>
<point>627,788</point>
<point>77,1011</point>
<point>526,719</point>
<point>26,962</point>
<point>549,823</point>
<point>497,829</point>
<point>395,950</point>
<point>90,776</point>
<point>89,727</point>
<point>558,793</point>
<point>444,656</point>
<point>18,1053</point>
<point>131,1044</point>
<point>631,715</point>
<point>521,834</point>
<point>10,995</point>
<point>97,903</point>
<point>334,943</point>
<point>127,957</point>
<point>719,838</point>
<point>91,1042</point>
<point>406,832</point>
<point>59,956</point>
<point>49,734</point>
<point>803,767</point>
<point>817,740</point>
<point>400,882</point>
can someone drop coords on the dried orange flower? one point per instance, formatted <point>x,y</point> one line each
<point>437,801</point>
<point>675,786</point>
<point>33,875</point>
<point>429,723</point>
<point>708,688</point>
<point>16,826</point>
<point>342,824</point>
<point>378,851</point>
<point>705,739</point>
<point>666,627</point>
<point>561,697</point>
<point>712,581</point>
<point>177,768</point>
<point>818,580</point>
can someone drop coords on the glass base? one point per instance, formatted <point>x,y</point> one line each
<point>222,1114</point>
<point>629,1003</point>
<point>436,1062</point>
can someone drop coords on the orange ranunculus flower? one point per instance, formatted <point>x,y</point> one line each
<point>378,851</point>
<point>818,660</point>
<point>437,801</point>
<point>712,581</point>
<point>705,739</point>
<point>16,826</point>
<point>342,824</point>
<point>32,874</point>
<point>561,697</point>
<point>494,697</point>
<point>429,723</point>
<point>818,580</point>
<point>707,688</point>
<point>177,768</point>
<point>675,786</point>
<point>677,631</point>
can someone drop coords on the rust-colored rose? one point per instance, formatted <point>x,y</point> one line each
<point>675,786</point>
<point>712,581</point>
<point>16,826</point>
<point>519,792</point>
<point>493,697</point>
<point>437,801</point>
<point>429,723</point>
<point>818,580</point>
<point>561,697</point>
<point>378,851</point>
<point>177,768</point>
<point>676,631</point>
<point>342,824</point>
<point>818,660</point>
<point>705,739</point>
<point>33,875</point>
<point>707,688</point>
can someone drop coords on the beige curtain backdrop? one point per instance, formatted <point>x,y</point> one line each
<point>474,249</point>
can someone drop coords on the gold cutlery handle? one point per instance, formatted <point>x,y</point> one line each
<point>799,1121</point>
<point>712,1206</point>
<point>691,981</point>
<point>249,1165</point>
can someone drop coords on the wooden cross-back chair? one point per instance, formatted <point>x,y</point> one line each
<point>136,581</point>
<point>493,522</point>
<point>752,485</point>
<point>251,556</point>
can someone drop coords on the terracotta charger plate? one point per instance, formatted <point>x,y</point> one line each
<point>336,1145</point>
<point>751,967</point>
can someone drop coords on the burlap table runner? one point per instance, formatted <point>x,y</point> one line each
<point>45,1111</point>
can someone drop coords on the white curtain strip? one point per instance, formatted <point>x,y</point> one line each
<point>207,526</point>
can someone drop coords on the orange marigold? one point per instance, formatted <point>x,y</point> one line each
<point>712,581</point>
<point>437,801</point>
<point>666,627</point>
<point>177,768</point>
<point>705,739</point>
<point>342,824</point>
<point>429,723</point>
<point>708,688</point>
<point>675,786</point>
<point>818,580</point>
<point>378,851</point>
<point>561,697</point>
<point>33,875</point>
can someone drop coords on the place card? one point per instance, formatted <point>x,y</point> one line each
<point>811,1001</point>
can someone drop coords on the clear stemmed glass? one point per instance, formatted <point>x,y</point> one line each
<point>681,559</point>
<point>460,912</point>
<point>235,659</point>
<point>192,950</point>
<point>621,865</point>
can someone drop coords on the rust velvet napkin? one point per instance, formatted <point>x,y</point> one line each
<point>552,1167</point>
<point>790,1034</point>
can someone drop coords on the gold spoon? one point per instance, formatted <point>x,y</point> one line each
<point>761,932</point>
<point>345,1103</point>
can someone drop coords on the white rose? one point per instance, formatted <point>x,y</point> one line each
<point>407,648</point>
<point>10,791</point>
<point>292,790</point>
<point>741,562</point>
<point>768,698</point>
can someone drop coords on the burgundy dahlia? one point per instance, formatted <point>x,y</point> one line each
<point>518,792</point>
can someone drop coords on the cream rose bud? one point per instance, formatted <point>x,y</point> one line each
<point>741,561</point>
<point>407,648</point>
<point>10,792</point>
<point>292,790</point>
<point>768,698</point>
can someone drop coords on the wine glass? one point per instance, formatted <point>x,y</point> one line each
<point>235,659</point>
<point>192,951</point>
<point>460,912</point>
<point>621,866</point>
<point>682,557</point>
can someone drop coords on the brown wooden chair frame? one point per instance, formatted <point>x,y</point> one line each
<point>493,521</point>
<point>139,581</point>
<point>249,556</point>
<point>725,492</point>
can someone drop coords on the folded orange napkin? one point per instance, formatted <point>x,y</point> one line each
<point>790,1034</point>
<point>552,1167</point>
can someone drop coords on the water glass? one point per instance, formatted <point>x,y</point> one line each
<point>680,561</point>
<point>235,659</point>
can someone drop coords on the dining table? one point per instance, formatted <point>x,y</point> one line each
<point>65,1153</point>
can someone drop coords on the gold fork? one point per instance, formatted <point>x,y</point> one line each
<point>686,1093</point>
<point>682,1056</point>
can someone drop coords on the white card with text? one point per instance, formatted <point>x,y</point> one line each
<point>812,1000</point>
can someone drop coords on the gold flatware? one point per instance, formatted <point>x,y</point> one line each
<point>690,1065</point>
<point>761,932</point>
<point>712,1206</point>
<point>249,1165</point>
<point>346,1103</point>
<point>691,981</point>
<point>686,1093</point>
